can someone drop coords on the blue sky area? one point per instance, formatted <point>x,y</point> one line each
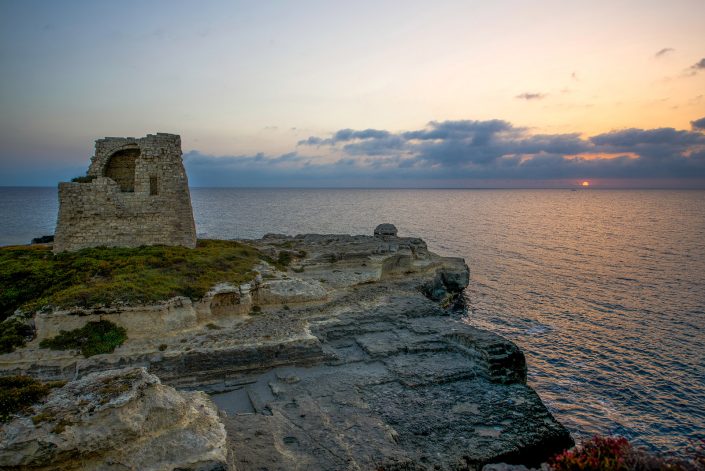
<point>363,94</point>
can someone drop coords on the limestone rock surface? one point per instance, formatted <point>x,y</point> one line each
<point>402,383</point>
<point>117,420</point>
<point>353,355</point>
<point>385,230</point>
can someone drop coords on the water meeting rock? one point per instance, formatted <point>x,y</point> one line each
<point>344,352</point>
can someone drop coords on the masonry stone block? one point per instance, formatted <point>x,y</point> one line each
<point>137,194</point>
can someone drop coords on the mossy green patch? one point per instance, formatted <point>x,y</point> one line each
<point>284,258</point>
<point>18,393</point>
<point>84,179</point>
<point>43,417</point>
<point>92,339</point>
<point>13,333</point>
<point>33,277</point>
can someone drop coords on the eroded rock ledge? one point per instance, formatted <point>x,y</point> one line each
<point>350,359</point>
<point>115,420</point>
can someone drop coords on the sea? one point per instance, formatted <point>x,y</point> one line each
<point>604,290</point>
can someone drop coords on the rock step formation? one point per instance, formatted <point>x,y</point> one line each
<point>351,358</point>
<point>405,386</point>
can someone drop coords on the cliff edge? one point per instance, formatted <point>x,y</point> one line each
<point>344,352</point>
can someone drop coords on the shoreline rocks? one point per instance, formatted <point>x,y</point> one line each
<point>347,357</point>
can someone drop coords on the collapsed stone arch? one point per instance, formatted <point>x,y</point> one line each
<point>121,168</point>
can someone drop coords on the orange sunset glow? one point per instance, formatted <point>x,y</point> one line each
<point>369,234</point>
<point>429,95</point>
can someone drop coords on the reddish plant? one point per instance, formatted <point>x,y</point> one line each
<point>598,453</point>
<point>617,454</point>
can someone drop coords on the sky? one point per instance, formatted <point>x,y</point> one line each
<point>378,93</point>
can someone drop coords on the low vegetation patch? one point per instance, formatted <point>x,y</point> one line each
<point>14,333</point>
<point>33,277</point>
<point>83,179</point>
<point>93,338</point>
<point>284,258</point>
<point>112,387</point>
<point>18,393</point>
<point>449,300</point>
<point>617,454</point>
<point>255,310</point>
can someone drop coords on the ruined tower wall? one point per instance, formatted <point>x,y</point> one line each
<point>139,195</point>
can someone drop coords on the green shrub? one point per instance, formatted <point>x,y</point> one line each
<point>284,258</point>
<point>32,276</point>
<point>42,417</point>
<point>14,333</point>
<point>18,393</point>
<point>448,300</point>
<point>83,179</point>
<point>92,339</point>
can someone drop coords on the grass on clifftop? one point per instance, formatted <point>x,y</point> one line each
<point>32,276</point>
<point>91,339</point>
<point>18,393</point>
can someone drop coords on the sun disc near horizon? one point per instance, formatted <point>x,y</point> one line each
<point>585,184</point>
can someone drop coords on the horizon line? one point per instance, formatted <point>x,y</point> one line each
<point>413,187</point>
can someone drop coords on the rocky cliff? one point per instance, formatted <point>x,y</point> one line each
<point>116,420</point>
<point>343,353</point>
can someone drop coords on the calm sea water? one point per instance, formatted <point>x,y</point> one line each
<point>603,290</point>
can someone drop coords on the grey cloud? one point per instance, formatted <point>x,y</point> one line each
<point>698,124</point>
<point>345,135</point>
<point>477,131</point>
<point>664,51</point>
<point>311,141</point>
<point>698,66</point>
<point>350,134</point>
<point>531,96</point>
<point>631,138</point>
<point>451,150</point>
<point>372,146</point>
<point>195,158</point>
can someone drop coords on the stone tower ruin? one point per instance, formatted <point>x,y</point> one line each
<point>135,193</point>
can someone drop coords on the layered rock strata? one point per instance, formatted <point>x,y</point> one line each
<point>117,420</point>
<point>351,358</point>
